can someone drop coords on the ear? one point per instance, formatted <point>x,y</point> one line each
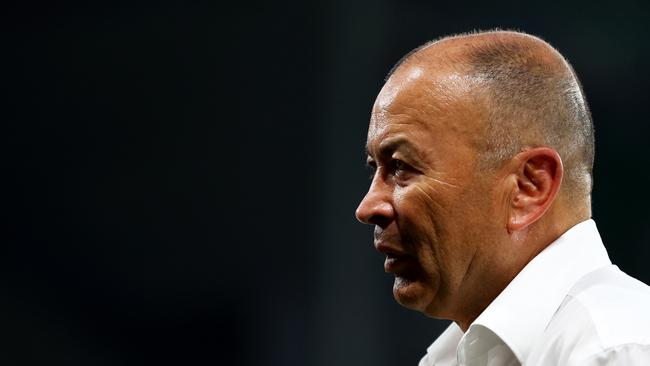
<point>538,175</point>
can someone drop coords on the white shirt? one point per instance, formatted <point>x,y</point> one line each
<point>568,306</point>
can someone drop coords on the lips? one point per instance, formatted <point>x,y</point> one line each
<point>396,260</point>
<point>396,265</point>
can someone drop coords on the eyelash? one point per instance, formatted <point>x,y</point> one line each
<point>396,167</point>
<point>399,165</point>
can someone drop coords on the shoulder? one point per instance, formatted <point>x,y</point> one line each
<point>605,318</point>
<point>617,305</point>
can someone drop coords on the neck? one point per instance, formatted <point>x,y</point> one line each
<point>520,248</point>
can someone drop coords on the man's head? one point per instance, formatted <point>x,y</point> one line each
<point>483,149</point>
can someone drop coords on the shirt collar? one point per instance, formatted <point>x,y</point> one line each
<point>520,313</point>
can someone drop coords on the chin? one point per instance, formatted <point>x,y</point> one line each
<point>413,294</point>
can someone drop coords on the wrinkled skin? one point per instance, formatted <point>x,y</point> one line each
<point>437,217</point>
<point>455,232</point>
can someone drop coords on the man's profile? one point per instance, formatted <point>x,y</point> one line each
<point>483,150</point>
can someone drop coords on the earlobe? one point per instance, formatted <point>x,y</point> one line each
<point>538,176</point>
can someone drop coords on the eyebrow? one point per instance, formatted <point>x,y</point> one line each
<point>390,145</point>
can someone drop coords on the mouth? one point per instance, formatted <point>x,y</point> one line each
<point>396,260</point>
<point>396,263</point>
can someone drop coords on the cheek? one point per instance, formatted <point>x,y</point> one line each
<point>436,223</point>
<point>415,213</point>
<point>421,218</point>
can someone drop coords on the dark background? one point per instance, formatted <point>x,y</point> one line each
<point>183,176</point>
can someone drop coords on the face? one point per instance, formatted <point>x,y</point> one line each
<point>433,210</point>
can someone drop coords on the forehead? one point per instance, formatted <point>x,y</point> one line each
<point>421,102</point>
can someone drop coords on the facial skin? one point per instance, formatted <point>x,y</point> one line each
<point>442,223</point>
<point>432,210</point>
<point>454,235</point>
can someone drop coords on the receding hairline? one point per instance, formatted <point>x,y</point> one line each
<point>456,48</point>
<point>528,88</point>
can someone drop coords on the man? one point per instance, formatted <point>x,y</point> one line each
<point>483,149</point>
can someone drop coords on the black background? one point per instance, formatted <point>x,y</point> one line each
<point>182,177</point>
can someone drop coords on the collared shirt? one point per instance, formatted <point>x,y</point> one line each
<point>568,306</point>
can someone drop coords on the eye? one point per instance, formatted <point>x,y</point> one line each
<point>400,168</point>
<point>403,172</point>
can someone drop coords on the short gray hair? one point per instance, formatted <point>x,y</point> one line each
<point>531,101</point>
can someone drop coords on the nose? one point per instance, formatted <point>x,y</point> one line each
<point>376,207</point>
